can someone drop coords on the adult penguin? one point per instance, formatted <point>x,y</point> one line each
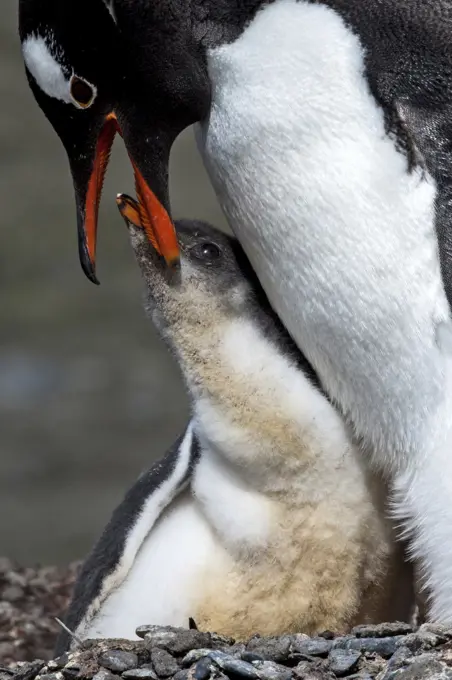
<point>325,127</point>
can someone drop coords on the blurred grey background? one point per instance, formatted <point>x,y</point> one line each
<point>89,396</point>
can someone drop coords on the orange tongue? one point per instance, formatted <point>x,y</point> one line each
<point>129,209</point>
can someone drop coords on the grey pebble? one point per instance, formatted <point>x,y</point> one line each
<point>174,640</point>
<point>385,647</point>
<point>382,630</point>
<point>181,675</point>
<point>342,661</point>
<point>269,670</point>
<point>194,655</point>
<point>60,661</point>
<point>425,670</point>
<point>163,662</point>
<point>423,640</point>
<point>271,648</point>
<point>389,675</point>
<point>51,676</point>
<point>142,631</point>
<point>399,658</point>
<point>29,671</point>
<point>70,672</point>
<point>311,647</point>
<point>117,660</point>
<point>230,665</point>
<point>313,670</point>
<point>103,674</point>
<point>4,675</point>
<point>202,670</point>
<point>327,634</point>
<point>437,629</point>
<point>139,674</point>
<point>12,593</point>
<point>251,657</point>
<point>237,650</point>
<point>221,640</point>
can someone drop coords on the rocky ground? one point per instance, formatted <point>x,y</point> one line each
<point>31,598</point>
<point>382,652</point>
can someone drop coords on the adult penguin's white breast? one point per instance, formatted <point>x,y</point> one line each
<point>338,227</point>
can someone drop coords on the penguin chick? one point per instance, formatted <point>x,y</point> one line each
<point>280,528</point>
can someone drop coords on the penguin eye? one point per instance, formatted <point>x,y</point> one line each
<point>82,93</point>
<point>206,251</point>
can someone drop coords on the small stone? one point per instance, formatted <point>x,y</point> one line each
<point>342,661</point>
<point>174,640</point>
<point>251,657</point>
<point>139,674</point>
<point>385,647</point>
<point>312,670</point>
<point>52,676</point>
<point>221,640</point>
<point>5,676</point>
<point>269,670</point>
<point>382,630</point>
<point>103,674</point>
<point>70,671</point>
<point>311,647</point>
<point>327,634</point>
<point>52,666</point>
<point>194,655</point>
<point>12,593</point>
<point>60,661</point>
<point>425,670</point>
<point>16,579</point>
<point>228,664</point>
<point>181,675</point>
<point>29,671</point>
<point>117,660</point>
<point>163,662</point>
<point>437,629</point>
<point>237,650</point>
<point>422,640</point>
<point>271,648</point>
<point>399,658</point>
<point>142,631</point>
<point>202,670</point>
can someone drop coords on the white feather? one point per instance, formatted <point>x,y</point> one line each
<point>41,60</point>
<point>343,240</point>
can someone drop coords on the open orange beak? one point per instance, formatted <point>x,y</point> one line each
<point>154,217</point>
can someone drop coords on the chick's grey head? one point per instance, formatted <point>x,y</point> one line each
<point>214,282</point>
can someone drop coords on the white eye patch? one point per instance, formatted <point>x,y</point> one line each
<point>40,56</point>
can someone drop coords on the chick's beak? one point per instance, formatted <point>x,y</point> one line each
<point>153,216</point>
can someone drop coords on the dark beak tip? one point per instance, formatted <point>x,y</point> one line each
<point>90,273</point>
<point>88,267</point>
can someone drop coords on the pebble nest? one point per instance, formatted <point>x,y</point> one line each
<point>30,598</point>
<point>383,652</point>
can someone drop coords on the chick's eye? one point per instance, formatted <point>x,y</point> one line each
<point>206,251</point>
<point>82,92</point>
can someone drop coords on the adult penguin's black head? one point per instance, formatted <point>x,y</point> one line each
<point>92,80</point>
